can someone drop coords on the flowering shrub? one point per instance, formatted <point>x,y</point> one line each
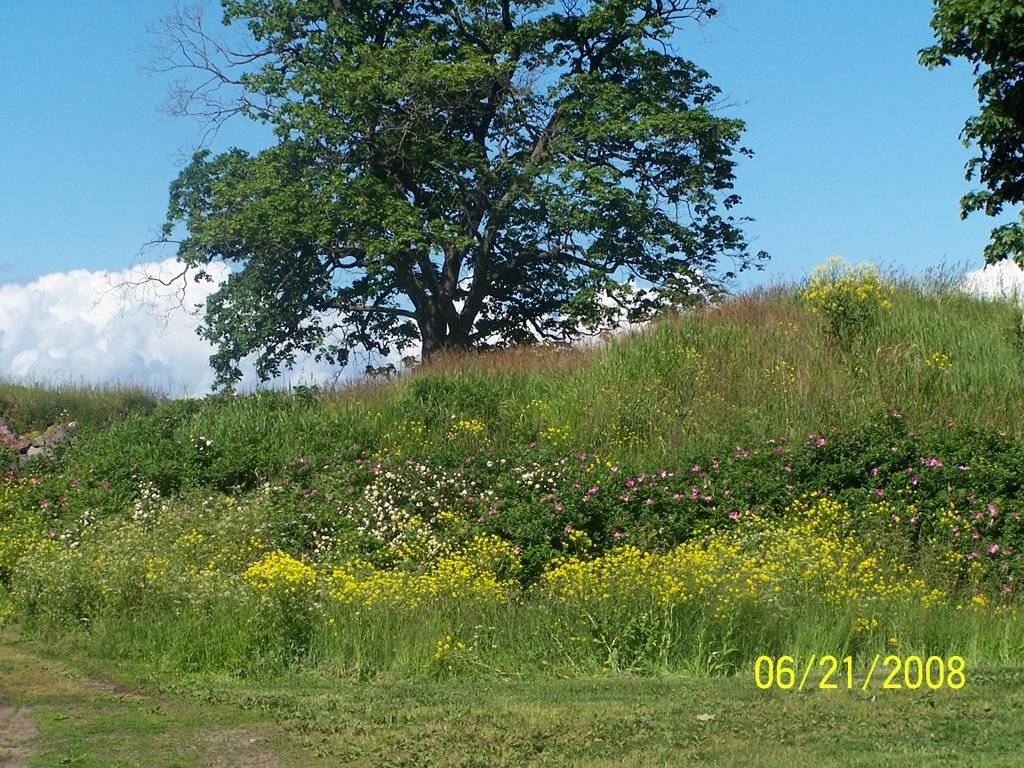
<point>614,564</point>
<point>280,573</point>
<point>413,509</point>
<point>23,521</point>
<point>850,298</point>
<point>806,556</point>
<point>482,572</point>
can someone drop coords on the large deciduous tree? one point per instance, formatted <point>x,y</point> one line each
<point>990,35</point>
<point>456,173</point>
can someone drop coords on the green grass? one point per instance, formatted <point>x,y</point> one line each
<point>84,718</point>
<point>708,380</point>
<point>650,722</point>
<point>757,365</point>
<point>65,712</point>
<point>33,406</point>
<point>842,489</point>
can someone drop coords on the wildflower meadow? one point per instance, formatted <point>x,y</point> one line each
<point>829,469</point>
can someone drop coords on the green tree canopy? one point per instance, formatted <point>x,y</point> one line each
<point>990,35</point>
<point>456,173</point>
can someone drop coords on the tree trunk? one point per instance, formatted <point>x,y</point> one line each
<point>437,336</point>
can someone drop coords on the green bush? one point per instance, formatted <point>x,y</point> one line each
<point>850,298</point>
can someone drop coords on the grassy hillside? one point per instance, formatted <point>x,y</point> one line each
<point>830,470</point>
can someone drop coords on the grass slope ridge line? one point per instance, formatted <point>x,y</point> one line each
<point>833,468</point>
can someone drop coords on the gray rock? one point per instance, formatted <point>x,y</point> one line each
<point>58,435</point>
<point>30,454</point>
<point>29,449</point>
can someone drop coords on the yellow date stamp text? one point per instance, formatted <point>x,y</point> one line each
<point>829,672</point>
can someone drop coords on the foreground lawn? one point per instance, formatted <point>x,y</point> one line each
<point>87,713</point>
<point>56,712</point>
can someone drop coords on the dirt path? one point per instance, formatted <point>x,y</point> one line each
<point>57,715</point>
<point>16,734</point>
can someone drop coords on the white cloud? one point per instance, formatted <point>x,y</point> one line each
<point>1004,279</point>
<point>79,327</point>
<point>83,327</point>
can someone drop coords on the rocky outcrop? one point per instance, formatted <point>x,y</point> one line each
<point>31,446</point>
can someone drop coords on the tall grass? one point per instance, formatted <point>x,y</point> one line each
<point>707,380</point>
<point>755,366</point>
<point>229,479</point>
<point>32,406</point>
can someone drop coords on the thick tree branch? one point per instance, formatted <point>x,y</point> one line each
<point>375,309</point>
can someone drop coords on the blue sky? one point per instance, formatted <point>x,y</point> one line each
<point>856,145</point>
<point>857,154</point>
<point>857,149</point>
<point>89,155</point>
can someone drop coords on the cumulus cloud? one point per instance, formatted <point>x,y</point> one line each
<point>80,327</point>
<point>1004,279</point>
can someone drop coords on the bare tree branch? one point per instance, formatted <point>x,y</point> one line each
<point>214,91</point>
